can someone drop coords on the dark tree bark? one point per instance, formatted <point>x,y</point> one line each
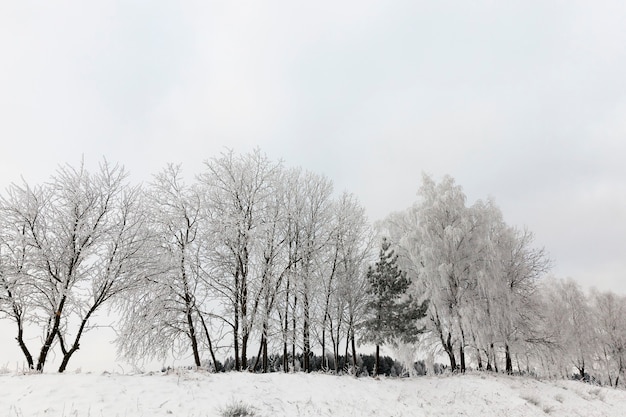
<point>353,345</point>
<point>447,346</point>
<point>377,364</point>
<point>286,329</point>
<point>67,354</point>
<point>208,337</point>
<point>462,358</point>
<point>52,333</point>
<point>462,349</point>
<point>17,315</point>
<point>193,339</point>
<point>508,361</point>
<point>20,342</point>
<point>236,339</point>
<point>293,339</point>
<point>258,359</point>
<point>265,359</point>
<point>244,310</point>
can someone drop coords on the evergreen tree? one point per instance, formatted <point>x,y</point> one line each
<point>393,311</point>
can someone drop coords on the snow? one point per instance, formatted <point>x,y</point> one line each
<point>199,394</point>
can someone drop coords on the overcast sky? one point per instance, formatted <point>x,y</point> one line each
<point>522,101</point>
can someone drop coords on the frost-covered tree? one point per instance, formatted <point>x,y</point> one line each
<point>345,292</point>
<point>609,319</point>
<point>236,189</point>
<point>572,325</point>
<point>164,315</point>
<point>273,264</point>
<point>508,307</point>
<point>479,274</point>
<point>287,296</point>
<point>72,245</point>
<point>314,236</point>
<point>447,235</point>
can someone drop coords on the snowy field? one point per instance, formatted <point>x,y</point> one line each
<point>195,394</point>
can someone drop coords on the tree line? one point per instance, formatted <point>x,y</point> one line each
<point>491,304</point>
<point>254,260</point>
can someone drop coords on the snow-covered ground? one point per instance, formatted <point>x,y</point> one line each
<point>197,394</point>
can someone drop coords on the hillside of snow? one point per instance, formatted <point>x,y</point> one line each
<point>197,394</point>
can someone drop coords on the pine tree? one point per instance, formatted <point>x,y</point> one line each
<point>393,312</point>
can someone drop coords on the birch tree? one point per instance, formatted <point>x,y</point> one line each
<point>447,254</point>
<point>479,274</point>
<point>609,318</point>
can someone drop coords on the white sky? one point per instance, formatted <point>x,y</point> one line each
<point>523,101</point>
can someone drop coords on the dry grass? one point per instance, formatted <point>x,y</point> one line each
<point>237,409</point>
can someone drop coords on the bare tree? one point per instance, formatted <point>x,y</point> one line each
<point>16,285</point>
<point>317,192</point>
<point>78,238</point>
<point>164,314</point>
<point>353,241</point>
<point>236,188</point>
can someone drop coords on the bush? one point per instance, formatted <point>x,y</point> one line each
<point>365,365</point>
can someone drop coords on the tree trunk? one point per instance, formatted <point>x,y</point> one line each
<point>293,339</point>
<point>20,341</point>
<point>244,351</point>
<point>258,355</point>
<point>193,339</point>
<point>236,323</point>
<point>262,354</point>
<point>236,341</point>
<point>67,354</point>
<point>508,361</point>
<point>326,310</point>
<point>377,364</point>
<point>449,350</point>
<point>43,353</point>
<point>335,350</point>
<point>285,358</point>
<point>619,371</point>
<point>462,350</point>
<point>52,333</point>
<point>324,359</point>
<point>208,338</point>
<point>286,330</point>
<point>66,359</point>
<point>495,359</point>
<point>345,355</point>
<point>462,357</point>
<point>244,316</point>
<point>17,314</point>
<point>265,359</point>
<point>306,337</point>
<point>353,353</point>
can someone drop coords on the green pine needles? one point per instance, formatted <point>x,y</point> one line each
<point>393,312</point>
